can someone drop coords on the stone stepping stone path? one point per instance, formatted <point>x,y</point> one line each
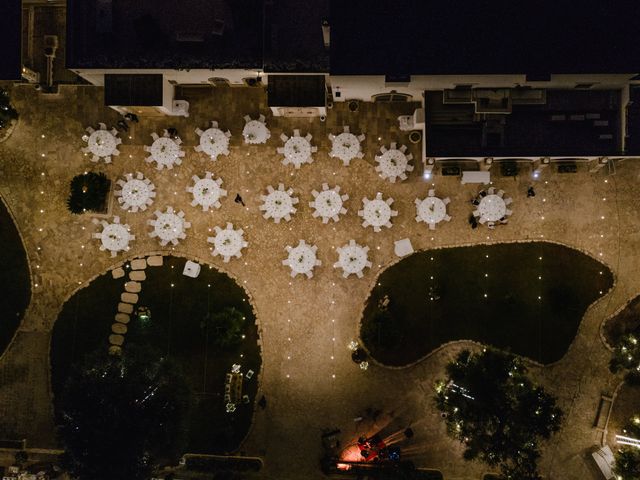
<point>129,298</point>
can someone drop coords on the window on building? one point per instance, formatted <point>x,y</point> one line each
<point>392,97</point>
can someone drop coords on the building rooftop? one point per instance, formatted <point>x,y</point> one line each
<point>540,123</point>
<point>165,34</point>
<point>499,37</point>
<point>10,30</point>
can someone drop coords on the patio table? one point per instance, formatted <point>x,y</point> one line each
<point>302,259</point>
<point>207,191</point>
<point>346,147</point>
<point>102,143</point>
<point>228,242</point>
<point>377,213</point>
<point>352,259</point>
<point>297,151</point>
<point>328,203</point>
<point>136,193</point>
<point>278,203</point>
<point>166,152</point>
<point>492,208</point>
<point>214,142</point>
<point>115,237</point>
<point>393,164</point>
<point>431,210</point>
<point>255,132</point>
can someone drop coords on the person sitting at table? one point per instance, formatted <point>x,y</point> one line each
<point>483,193</point>
<point>475,201</point>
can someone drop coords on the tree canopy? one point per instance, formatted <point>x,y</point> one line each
<point>497,413</point>
<point>121,414</point>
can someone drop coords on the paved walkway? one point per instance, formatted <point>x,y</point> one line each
<point>308,377</point>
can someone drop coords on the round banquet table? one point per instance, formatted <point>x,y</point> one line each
<point>165,151</point>
<point>169,226</point>
<point>393,163</point>
<point>255,132</point>
<point>214,142</point>
<point>432,210</point>
<point>102,143</point>
<point>377,213</point>
<point>135,192</point>
<point>346,146</point>
<point>278,204</point>
<point>115,237</point>
<point>492,208</point>
<point>302,259</point>
<point>328,203</point>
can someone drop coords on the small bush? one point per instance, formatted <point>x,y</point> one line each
<point>7,112</point>
<point>627,463</point>
<point>88,193</point>
<point>226,326</point>
<point>626,356</point>
<point>381,331</point>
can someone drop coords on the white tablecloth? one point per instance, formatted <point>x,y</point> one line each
<point>432,210</point>
<point>115,237</point>
<point>169,226</point>
<point>377,213</point>
<point>102,143</point>
<point>393,164</point>
<point>228,243</point>
<point>302,259</point>
<point>214,142</point>
<point>278,205</point>
<point>165,151</point>
<point>136,193</point>
<point>255,132</point>
<point>352,258</point>
<point>206,192</point>
<point>492,208</point>
<point>297,150</point>
<point>345,146</point>
<point>328,203</point>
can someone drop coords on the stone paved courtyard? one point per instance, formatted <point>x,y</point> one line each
<point>308,377</point>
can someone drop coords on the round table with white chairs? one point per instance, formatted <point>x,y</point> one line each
<point>228,242</point>
<point>352,259</point>
<point>214,142</point>
<point>492,208</point>
<point>346,147</point>
<point>255,132</point>
<point>377,213</point>
<point>169,226</point>
<point>328,204</point>
<point>115,237</point>
<point>297,151</point>
<point>207,191</point>
<point>393,164</point>
<point>302,259</point>
<point>136,193</point>
<point>279,203</point>
<point>431,210</point>
<point>166,152</point>
<point>102,143</point>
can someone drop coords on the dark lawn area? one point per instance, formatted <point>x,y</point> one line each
<point>174,330</point>
<point>14,278</point>
<point>438,296</point>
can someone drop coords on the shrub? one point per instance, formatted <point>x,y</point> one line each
<point>381,331</point>
<point>7,112</point>
<point>627,463</point>
<point>226,326</point>
<point>88,193</point>
<point>626,356</point>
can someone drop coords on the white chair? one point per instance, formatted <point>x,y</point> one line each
<point>197,148</point>
<point>491,191</point>
<point>296,132</point>
<point>446,200</point>
<point>115,152</point>
<point>431,193</point>
<point>199,132</point>
<point>500,193</point>
<point>476,213</point>
<point>508,201</point>
<point>283,137</point>
<point>262,118</point>
<point>403,148</point>
<point>447,218</point>
<point>361,137</point>
<point>508,212</point>
<point>432,226</point>
<point>247,118</point>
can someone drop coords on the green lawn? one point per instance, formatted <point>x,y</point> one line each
<point>15,284</point>
<point>175,331</point>
<point>438,296</point>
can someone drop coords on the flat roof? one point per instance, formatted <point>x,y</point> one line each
<point>484,37</point>
<point>10,29</point>
<point>296,91</point>
<point>139,90</point>
<point>164,34</point>
<point>569,123</point>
